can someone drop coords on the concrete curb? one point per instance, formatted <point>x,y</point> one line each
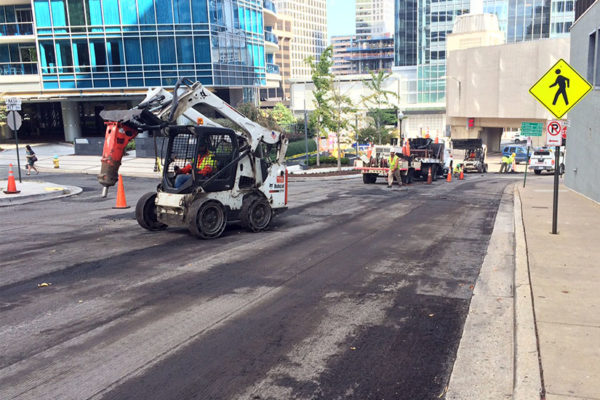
<point>485,358</point>
<point>527,367</point>
<point>86,172</point>
<point>37,197</point>
<point>300,178</point>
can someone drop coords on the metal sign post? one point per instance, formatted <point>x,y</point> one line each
<point>14,122</point>
<point>527,162</point>
<point>555,200</point>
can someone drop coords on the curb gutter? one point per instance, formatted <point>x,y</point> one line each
<point>528,384</point>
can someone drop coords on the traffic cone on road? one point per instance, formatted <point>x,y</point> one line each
<point>11,188</point>
<point>462,174</point>
<point>121,201</point>
<point>449,178</point>
<point>429,179</point>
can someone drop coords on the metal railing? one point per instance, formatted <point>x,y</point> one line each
<point>269,5</point>
<point>16,28</point>
<point>26,68</point>
<point>270,37</point>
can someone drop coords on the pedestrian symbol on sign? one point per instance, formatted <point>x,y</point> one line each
<point>563,84</point>
<point>560,88</point>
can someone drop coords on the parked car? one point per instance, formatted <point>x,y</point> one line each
<point>543,159</point>
<point>518,138</point>
<point>520,152</point>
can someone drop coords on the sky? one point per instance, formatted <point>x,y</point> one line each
<point>340,17</point>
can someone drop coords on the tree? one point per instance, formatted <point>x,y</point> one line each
<point>255,114</point>
<point>282,115</point>
<point>3,112</point>
<point>322,117</point>
<point>370,134</point>
<point>342,105</point>
<point>378,102</point>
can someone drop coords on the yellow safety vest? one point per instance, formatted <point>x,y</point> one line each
<point>393,162</point>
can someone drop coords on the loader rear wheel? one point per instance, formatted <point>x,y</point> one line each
<point>145,213</point>
<point>256,213</point>
<point>207,219</point>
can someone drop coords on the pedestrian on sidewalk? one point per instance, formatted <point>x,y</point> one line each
<point>31,159</point>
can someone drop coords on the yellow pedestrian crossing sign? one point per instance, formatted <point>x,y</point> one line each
<point>560,88</point>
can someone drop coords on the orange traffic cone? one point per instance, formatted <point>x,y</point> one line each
<point>437,140</point>
<point>449,178</point>
<point>462,175</point>
<point>121,201</point>
<point>429,179</point>
<point>11,188</point>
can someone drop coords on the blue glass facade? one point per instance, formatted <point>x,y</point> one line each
<point>140,43</point>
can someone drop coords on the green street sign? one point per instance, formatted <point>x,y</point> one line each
<point>532,128</point>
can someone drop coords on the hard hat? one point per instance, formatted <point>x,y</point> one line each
<point>392,150</point>
<point>513,154</point>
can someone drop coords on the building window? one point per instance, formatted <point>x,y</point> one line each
<point>591,64</point>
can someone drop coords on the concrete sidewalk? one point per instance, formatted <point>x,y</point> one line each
<point>35,190</point>
<point>533,328</point>
<point>565,280</point>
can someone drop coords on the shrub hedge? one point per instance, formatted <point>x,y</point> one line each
<point>327,160</point>
<point>299,147</point>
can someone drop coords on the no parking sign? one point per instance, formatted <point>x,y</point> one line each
<point>554,131</point>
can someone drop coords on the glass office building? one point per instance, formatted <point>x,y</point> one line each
<point>124,43</point>
<point>61,56</point>
<point>405,35</point>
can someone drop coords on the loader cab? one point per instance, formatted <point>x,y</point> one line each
<point>184,148</point>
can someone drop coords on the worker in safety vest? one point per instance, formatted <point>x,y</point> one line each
<point>394,169</point>
<point>507,163</point>
<point>206,165</point>
<point>457,169</point>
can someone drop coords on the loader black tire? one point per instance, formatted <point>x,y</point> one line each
<point>206,219</point>
<point>369,178</point>
<point>145,213</point>
<point>256,213</point>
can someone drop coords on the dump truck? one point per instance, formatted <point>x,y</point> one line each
<point>416,160</point>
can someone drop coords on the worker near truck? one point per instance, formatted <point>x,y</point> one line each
<point>206,165</point>
<point>394,169</point>
<point>507,163</point>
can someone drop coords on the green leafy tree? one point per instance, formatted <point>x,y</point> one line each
<point>282,115</point>
<point>323,116</point>
<point>257,115</point>
<point>3,112</point>
<point>378,102</point>
<point>342,106</point>
<point>370,134</point>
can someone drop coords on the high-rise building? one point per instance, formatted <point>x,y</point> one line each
<point>69,59</point>
<point>283,58</point>
<point>273,90</point>
<point>422,26</point>
<point>342,46</point>
<point>309,30</point>
<point>374,18</point>
<point>405,33</point>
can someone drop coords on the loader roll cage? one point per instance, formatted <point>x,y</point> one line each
<point>182,149</point>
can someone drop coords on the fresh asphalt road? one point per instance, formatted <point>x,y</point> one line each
<point>357,292</point>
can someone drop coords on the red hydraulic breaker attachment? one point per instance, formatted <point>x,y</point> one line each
<point>115,142</point>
